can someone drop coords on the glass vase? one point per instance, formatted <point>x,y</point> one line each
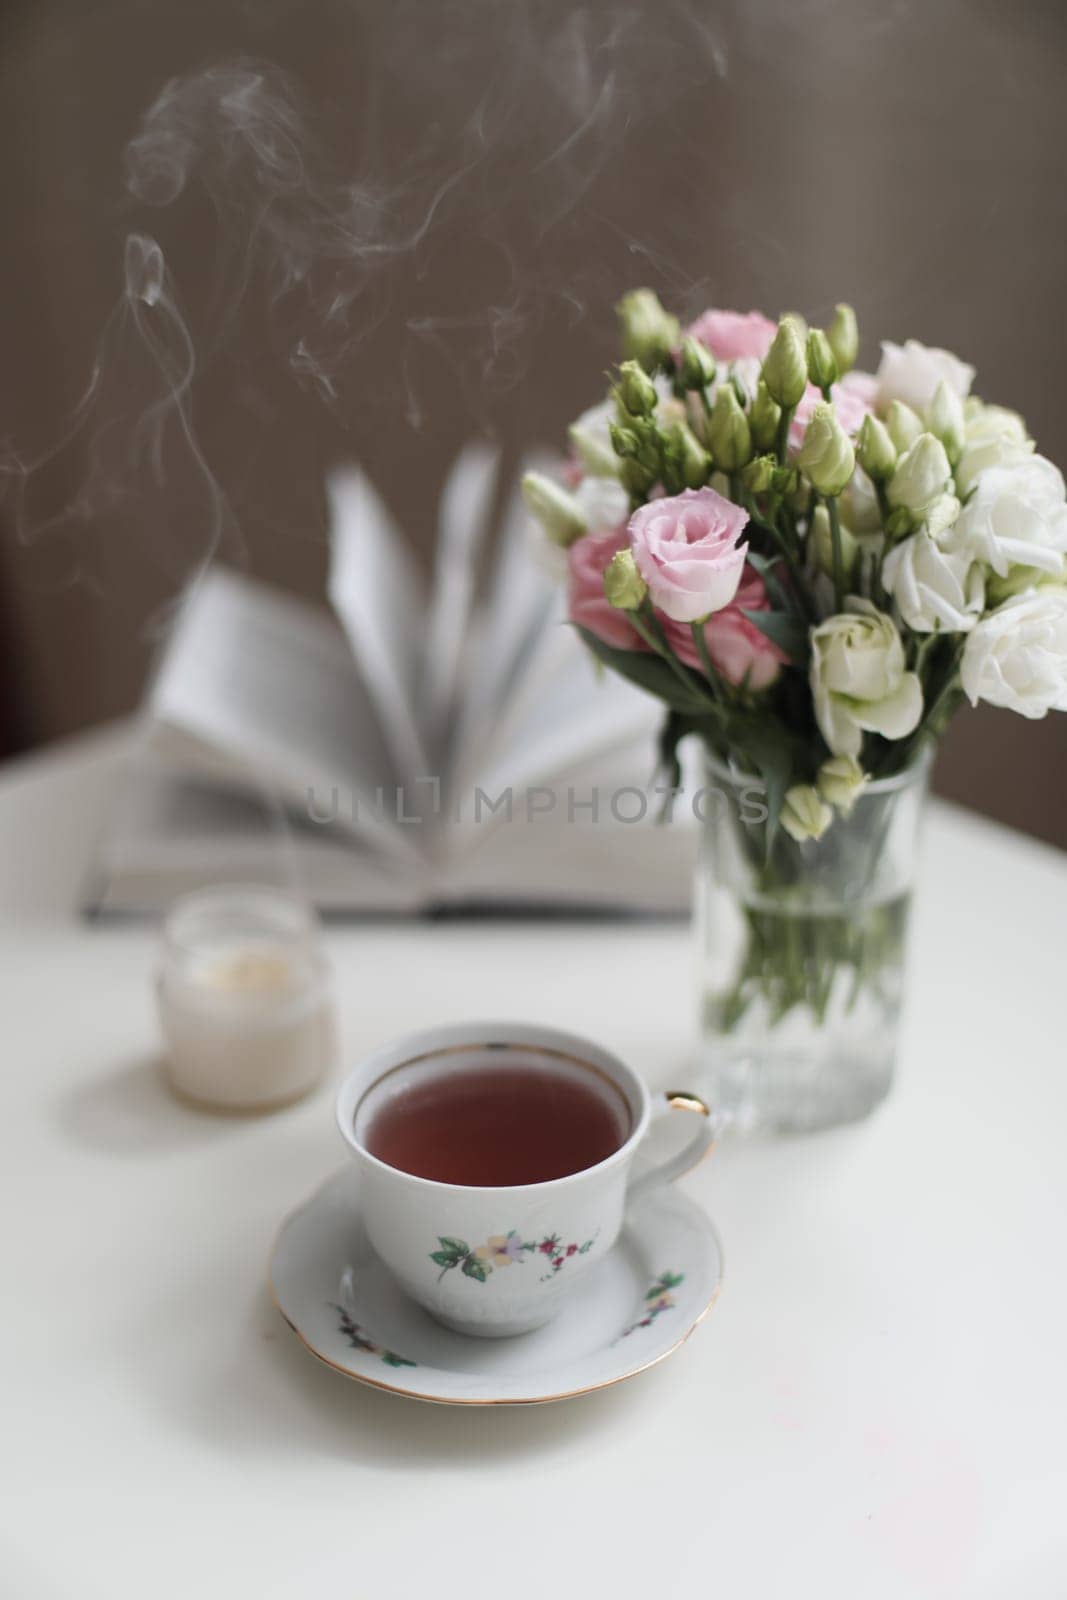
<point>801,952</point>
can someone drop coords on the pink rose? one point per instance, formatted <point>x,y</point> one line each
<point>686,548</point>
<point>852,401</point>
<point>736,646</point>
<point>730,335</point>
<point>587,604</point>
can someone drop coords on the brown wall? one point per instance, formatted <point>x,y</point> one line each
<point>780,153</point>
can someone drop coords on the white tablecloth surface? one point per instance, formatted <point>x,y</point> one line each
<point>876,1407</point>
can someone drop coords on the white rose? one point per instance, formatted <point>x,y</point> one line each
<point>604,503</point>
<point>858,680</point>
<point>1017,516</point>
<point>921,476</point>
<point>912,372</point>
<point>941,517</point>
<point>992,437</point>
<point>936,591</point>
<point>591,438</point>
<point>1017,656</point>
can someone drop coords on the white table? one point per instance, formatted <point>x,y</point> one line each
<point>875,1408</point>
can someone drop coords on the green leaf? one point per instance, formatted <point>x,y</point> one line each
<point>674,729</point>
<point>788,632</point>
<point>677,727</point>
<point>455,1247</point>
<point>654,675</point>
<point>765,566</point>
<point>474,1267</point>
<point>765,746</point>
<point>393,1360</point>
<point>444,1258</point>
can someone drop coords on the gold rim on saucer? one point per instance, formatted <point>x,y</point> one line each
<point>458,1400</point>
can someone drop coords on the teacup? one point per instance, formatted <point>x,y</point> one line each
<point>448,1244</point>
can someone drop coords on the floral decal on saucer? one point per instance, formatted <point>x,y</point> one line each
<point>504,1250</point>
<point>359,1340</point>
<point>657,1300</point>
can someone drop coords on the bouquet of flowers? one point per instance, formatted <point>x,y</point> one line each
<point>812,567</point>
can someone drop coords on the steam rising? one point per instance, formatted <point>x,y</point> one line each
<point>459,109</point>
<point>134,416</point>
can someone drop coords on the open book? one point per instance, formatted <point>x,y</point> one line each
<point>409,753</point>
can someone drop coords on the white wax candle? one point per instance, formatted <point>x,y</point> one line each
<point>244,999</point>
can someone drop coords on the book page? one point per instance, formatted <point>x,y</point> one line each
<point>521,608</point>
<point>256,688</point>
<point>564,855</point>
<point>375,591</point>
<point>463,528</point>
<point>169,834</point>
<point>566,713</point>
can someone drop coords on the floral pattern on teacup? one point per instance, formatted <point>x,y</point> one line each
<point>657,1300</point>
<point>360,1340</point>
<point>504,1250</point>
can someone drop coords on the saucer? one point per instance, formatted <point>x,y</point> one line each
<point>630,1309</point>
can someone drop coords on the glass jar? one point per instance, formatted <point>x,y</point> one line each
<point>801,952</point>
<point>244,998</point>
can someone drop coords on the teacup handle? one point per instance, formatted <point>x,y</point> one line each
<point>691,1152</point>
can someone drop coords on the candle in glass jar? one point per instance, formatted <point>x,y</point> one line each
<point>244,998</point>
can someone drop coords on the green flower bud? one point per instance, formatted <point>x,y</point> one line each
<point>728,431</point>
<point>822,365</point>
<point>635,393</point>
<point>826,457</point>
<point>697,368</point>
<point>763,417</point>
<point>556,510</point>
<point>860,508</point>
<point>804,814</point>
<point>875,450</point>
<point>945,420</point>
<point>636,477</point>
<point>786,480</point>
<point>841,781</point>
<point>649,334</point>
<point>821,546</point>
<point>801,322</point>
<point>759,475</point>
<point>623,584</point>
<point>844,337</point>
<point>785,370</point>
<point>624,441</point>
<point>899,523</point>
<point>922,476</point>
<point>686,451</point>
<point>903,425</point>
